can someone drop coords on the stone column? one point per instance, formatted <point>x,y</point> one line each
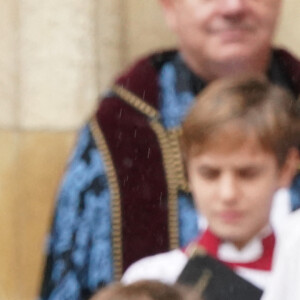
<point>111,50</point>
<point>146,29</point>
<point>288,31</point>
<point>57,63</point>
<point>8,63</point>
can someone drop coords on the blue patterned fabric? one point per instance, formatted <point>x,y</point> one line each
<point>295,193</point>
<point>80,247</point>
<point>176,99</point>
<point>188,219</point>
<point>79,250</point>
<point>174,104</point>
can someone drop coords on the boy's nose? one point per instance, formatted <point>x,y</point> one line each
<point>228,188</point>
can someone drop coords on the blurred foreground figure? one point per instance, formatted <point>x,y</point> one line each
<point>239,144</point>
<point>124,194</point>
<point>146,290</point>
<point>284,282</point>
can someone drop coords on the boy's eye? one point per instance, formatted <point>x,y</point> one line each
<point>208,173</point>
<point>249,173</point>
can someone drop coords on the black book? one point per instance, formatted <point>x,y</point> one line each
<point>215,281</point>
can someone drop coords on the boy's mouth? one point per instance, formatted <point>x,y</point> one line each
<point>230,216</point>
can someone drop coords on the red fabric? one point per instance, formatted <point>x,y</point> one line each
<point>142,80</point>
<point>211,244</point>
<point>135,150</point>
<point>291,67</point>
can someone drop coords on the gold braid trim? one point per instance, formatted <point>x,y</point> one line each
<point>203,281</point>
<point>116,199</point>
<point>177,162</point>
<point>172,162</point>
<point>171,183</point>
<point>136,102</point>
<point>195,250</point>
<point>173,134</point>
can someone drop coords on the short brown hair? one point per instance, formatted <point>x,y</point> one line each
<point>146,290</point>
<point>251,105</point>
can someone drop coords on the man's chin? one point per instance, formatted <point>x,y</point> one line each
<point>235,61</point>
<point>235,55</point>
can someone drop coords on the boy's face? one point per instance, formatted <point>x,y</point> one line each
<point>234,188</point>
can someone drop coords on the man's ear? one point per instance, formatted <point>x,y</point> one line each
<point>169,10</point>
<point>289,168</point>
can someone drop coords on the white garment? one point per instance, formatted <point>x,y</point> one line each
<point>285,280</point>
<point>281,208</point>
<point>166,267</point>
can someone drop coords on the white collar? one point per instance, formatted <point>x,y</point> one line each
<point>253,250</point>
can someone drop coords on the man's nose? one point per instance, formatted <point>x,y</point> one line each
<point>231,7</point>
<point>228,188</point>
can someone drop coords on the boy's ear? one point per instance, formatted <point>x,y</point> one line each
<point>290,167</point>
<point>169,12</point>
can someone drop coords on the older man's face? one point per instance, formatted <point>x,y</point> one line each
<point>222,30</point>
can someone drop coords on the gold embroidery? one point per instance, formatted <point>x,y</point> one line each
<point>203,281</point>
<point>172,134</point>
<point>195,250</point>
<point>169,143</point>
<point>115,201</point>
<point>178,166</point>
<point>171,183</point>
<point>136,102</point>
<point>175,175</point>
